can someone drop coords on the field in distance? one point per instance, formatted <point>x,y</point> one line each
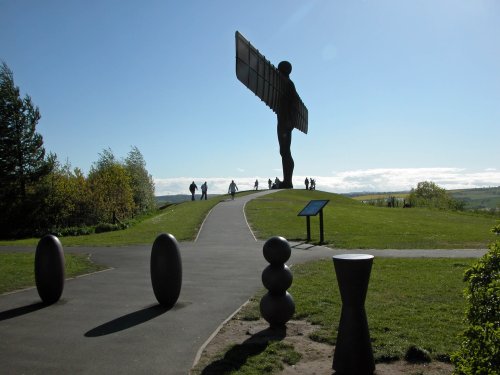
<point>475,199</point>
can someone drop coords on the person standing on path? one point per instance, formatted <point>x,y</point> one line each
<point>306,182</point>
<point>232,189</point>
<point>256,185</point>
<point>204,191</point>
<point>270,183</point>
<point>192,189</point>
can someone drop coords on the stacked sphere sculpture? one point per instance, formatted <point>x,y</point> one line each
<point>277,306</point>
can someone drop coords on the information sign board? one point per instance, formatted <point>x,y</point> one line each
<point>313,208</point>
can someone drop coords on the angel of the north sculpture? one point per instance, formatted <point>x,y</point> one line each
<point>275,88</point>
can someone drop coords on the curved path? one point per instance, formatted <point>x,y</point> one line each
<point>109,322</point>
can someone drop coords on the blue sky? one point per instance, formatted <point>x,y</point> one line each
<point>397,91</point>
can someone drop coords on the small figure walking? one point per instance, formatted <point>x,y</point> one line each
<point>232,189</point>
<point>307,183</point>
<point>270,183</point>
<point>256,185</point>
<point>204,191</point>
<point>192,189</point>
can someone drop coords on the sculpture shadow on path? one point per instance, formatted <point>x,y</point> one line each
<point>23,310</point>
<point>239,354</point>
<point>130,320</point>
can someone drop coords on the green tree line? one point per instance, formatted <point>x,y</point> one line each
<point>428,194</point>
<point>38,194</point>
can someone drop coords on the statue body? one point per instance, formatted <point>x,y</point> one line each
<point>285,124</point>
<point>273,86</point>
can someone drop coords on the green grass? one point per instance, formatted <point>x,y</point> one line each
<point>351,224</point>
<point>182,220</point>
<point>485,198</point>
<point>252,358</point>
<point>409,302</point>
<point>17,269</point>
<point>372,197</point>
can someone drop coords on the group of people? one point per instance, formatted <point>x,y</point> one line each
<point>193,188</point>
<point>204,188</point>
<point>310,184</point>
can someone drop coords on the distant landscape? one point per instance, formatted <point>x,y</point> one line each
<point>475,199</point>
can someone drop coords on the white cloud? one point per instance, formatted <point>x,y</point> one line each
<point>376,180</point>
<point>398,179</point>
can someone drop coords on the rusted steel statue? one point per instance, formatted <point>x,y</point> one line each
<point>275,88</point>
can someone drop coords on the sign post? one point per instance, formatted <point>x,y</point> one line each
<point>312,209</point>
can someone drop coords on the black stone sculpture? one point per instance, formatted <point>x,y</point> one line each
<point>276,89</point>
<point>353,350</point>
<point>166,270</point>
<point>49,269</point>
<point>277,305</point>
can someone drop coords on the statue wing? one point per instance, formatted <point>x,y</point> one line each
<point>264,80</point>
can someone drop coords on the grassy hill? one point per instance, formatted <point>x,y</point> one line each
<point>352,224</point>
<point>348,224</point>
<point>478,199</point>
<point>475,199</point>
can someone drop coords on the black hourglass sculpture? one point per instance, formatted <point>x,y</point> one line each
<point>353,349</point>
<point>277,306</point>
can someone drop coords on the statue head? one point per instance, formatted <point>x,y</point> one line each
<point>285,68</point>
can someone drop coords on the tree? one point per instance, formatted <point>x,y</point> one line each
<point>142,184</point>
<point>480,349</point>
<point>22,155</point>
<point>23,162</point>
<point>111,190</point>
<point>68,201</point>
<point>428,194</point>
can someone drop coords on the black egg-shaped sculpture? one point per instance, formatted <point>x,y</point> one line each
<point>277,250</point>
<point>166,270</point>
<point>277,306</point>
<point>49,269</point>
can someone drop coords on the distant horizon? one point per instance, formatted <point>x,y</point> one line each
<point>366,180</point>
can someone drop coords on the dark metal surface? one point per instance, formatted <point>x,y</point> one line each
<point>166,270</point>
<point>277,278</point>
<point>313,207</point>
<point>49,269</point>
<point>277,306</point>
<point>353,351</point>
<point>277,250</point>
<point>264,80</point>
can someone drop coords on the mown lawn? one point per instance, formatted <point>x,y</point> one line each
<point>17,270</point>
<point>409,302</point>
<point>351,224</point>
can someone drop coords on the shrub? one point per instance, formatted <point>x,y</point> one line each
<point>414,354</point>
<point>480,349</point>
<point>108,227</point>
<point>73,231</point>
<point>428,194</point>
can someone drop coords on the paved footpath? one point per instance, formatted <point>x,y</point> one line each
<point>110,322</point>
